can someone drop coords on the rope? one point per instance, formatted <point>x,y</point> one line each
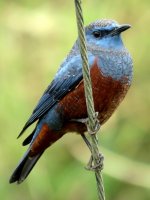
<point>92,124</point>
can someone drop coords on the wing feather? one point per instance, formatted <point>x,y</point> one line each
<point>67,78</point>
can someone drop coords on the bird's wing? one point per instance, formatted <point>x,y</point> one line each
<point>67,78</point>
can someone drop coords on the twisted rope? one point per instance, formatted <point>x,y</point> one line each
<point>92,124</point>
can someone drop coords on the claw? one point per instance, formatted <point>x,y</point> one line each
<point>86,121</point>
<point>92,167</point>
<point>97,125</point>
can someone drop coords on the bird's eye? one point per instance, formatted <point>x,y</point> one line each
<point>97,34</point>
<point>102,33</point>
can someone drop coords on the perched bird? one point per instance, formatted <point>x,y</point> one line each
<point>62,105</point>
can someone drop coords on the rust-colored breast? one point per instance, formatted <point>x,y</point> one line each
<point>107,93</point>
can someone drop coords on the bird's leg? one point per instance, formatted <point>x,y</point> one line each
<point>90,165</point>
<point>86,141</point>
<point>82,120</point>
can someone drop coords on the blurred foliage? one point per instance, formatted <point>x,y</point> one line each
<point>35,36</point>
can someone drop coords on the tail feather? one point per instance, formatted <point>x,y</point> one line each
<point>24,168</point>
<point>41,138</point>
<point>28,139</point>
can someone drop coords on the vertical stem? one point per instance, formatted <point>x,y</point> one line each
<point>92,125</point>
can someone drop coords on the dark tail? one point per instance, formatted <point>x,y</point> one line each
<point>24,168</point>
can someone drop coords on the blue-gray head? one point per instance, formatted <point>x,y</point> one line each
<point>105,33</point>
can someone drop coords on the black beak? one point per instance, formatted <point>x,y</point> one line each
<point>120,29</point>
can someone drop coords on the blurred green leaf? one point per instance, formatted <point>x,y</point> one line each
<point>35,36</point>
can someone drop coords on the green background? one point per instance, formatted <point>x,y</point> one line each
<point>35,36</point>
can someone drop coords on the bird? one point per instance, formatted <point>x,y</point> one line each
<point>62,107</point>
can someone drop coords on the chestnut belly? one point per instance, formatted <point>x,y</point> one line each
<point>107,94</point>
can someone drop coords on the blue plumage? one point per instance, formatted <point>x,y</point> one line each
<point>113,66</point>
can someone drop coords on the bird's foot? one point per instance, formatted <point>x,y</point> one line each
<point>86,122</point>
<point>97,125</point>
<point>99,164</point>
